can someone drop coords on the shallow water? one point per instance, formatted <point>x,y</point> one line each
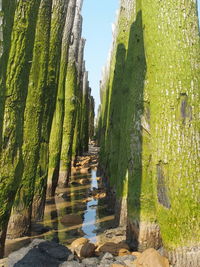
<point>75,199</point>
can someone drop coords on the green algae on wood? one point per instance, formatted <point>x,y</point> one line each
<point>57,125</point>
<point>59,12</point>
<point>7,19</point>
<point>69,123</point>
<point>126,142</point>
<point>172,35</point>
<point>16,89</point>
<point>20,220</point>
<point>77,131</point>
<point>91,117</point>
<point>71,100</point>
<point>85,114</point>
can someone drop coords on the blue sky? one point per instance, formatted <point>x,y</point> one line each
<point>98,16</point>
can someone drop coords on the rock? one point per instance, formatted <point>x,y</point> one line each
<point>113,248</point>
<point>91,262</point>
<point>117,265</point>
<point>61,195</point>
<point>40,229</point>
<point>126,260</point>
<point>85,250</point>
<point>71,264</point>
<point>136,254</point>
<point>78,242</point>
<point>84,170</point>
<point>71,257</point>
<point>3,262</point>
<point>76,233</point>
<point>84,181</point>
<point>54,250</point>
<point>99,195</point>
<point>151,258</point>
<point>39,253</point>
<point>104,265</point>
<point>107,256</point>
<point>126,257</point>
<point>74,183</point>
<point>116,235</point>
<point>107,259</point>
<point>123,251</point>
<point>87,199</point>
<point>129,263</point>
<point>71,219</point>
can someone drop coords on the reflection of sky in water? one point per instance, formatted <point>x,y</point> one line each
<point>91,212</point>
<point>94,179</point>
<point>72,202</point>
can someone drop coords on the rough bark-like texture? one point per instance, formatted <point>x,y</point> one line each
<point>173,59</point>
<point>126,142</point>
<point>70,100</point>
<point>142,235</point>
<point>20,220</point>
<point>141,203</point>
<point>18,66</point>
<point>91,117</point>
<point>57,125</point>
<point>85,114</point>
<point>59,11</point>
<point>6,24</point>
<point>77,131</point>
<point>69,124</point>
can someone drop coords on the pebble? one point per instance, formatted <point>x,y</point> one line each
<point>91,262</point>
<point>72,264</point>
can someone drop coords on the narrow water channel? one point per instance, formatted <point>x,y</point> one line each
<point>85,197</point>
<point>91,213</point>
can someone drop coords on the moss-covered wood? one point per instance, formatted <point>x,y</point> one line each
<point>115,99</point>
<point>126,151</point>
<point>6,24</point>
<point>91,117</point>
<point>85,115</point>
<point>21,215</point>
<point>68,124</point>
<point>172,53</point>
<point>149,128</point>
<point>57,125</point>
<point>18,66</point>
<point>141,204</point>
<point>77,130</point>
<point>71,100</point>
<point>59,11</point>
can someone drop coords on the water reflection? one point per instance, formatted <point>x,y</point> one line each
<point>91,213</point>
<point>76,199</point>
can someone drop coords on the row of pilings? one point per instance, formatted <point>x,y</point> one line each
<point>148,126</point>
<point>46,107</point>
